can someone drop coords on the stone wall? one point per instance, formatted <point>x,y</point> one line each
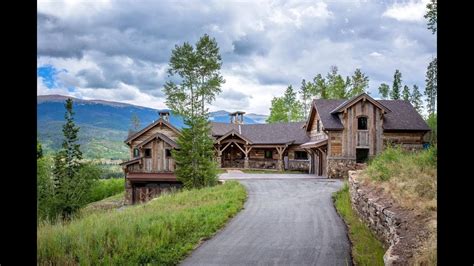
<point>384,218</point>
<point>339,167</point>
<point>300,165</point>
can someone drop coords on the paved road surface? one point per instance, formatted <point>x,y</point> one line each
<point>284,222</point>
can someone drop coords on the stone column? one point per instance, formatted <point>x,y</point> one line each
<point>280,164</point>
<point>246,162</point>
<point>128,192</point>
<point>219,161</point>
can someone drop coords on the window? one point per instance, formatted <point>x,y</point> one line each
<point>147,152</point>
<point>136,153</point>
<point>362,123</point>
<point>318,128</point>
<point>168,153</point>
<point>268,154</point>
<point>301,155</point>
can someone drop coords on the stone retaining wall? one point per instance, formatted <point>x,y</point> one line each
<point>383,218</point>
<point>339,167</point>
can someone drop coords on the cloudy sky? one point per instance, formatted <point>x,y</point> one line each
<point>119,50</point>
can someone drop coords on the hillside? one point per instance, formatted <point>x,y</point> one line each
<point>104,124</point>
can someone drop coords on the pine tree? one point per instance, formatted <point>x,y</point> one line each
<point>194,163</point>
<point>335,84</point>
<point>359,83</point>
<point>72,182</point>
<point>292,104</point>
<point>406,93</point>
<point>431,88</point>
<point>306,96</point>
<point>397,84</point>
<point>199,71</point>
<point>384,90</point>
<point>432,15</point>
<point>320,87</point>
<point>416,99</point>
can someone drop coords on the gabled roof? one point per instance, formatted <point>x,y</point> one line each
<point>324,108</point>
<point>161,136</point>
<point>361,97</point>
<point>402,116</point>
<point>277,133</point>
<point>141,132</point>
<point>233,132</point>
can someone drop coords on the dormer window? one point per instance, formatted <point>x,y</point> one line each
<point>136,153</point>
<point>362,123</point>
<point>318,127</point>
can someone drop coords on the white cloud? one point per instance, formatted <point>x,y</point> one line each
<point>119,50</point>
<point>375,54</point>
<point>407,11</point>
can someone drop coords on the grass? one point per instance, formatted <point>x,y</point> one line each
<point>160,232</point>
<point>106,204</point>
<point>410,178</point>
<point>270,171</point>
<point>366,248</point>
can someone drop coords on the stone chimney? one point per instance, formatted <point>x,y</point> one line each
<point>165,115</point>
<point>237,117</point>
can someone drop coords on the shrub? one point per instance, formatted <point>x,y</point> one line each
<point>104,188</point>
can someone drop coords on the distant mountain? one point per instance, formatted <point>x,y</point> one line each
<point>104,124</point>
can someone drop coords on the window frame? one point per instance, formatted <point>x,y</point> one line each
<point>145,153</point>
<point>359,119</point>
<point>136,152</point>
<point>303,157</point>
<point>265,154</point>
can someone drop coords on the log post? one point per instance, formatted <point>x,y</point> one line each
<point>246,160</point>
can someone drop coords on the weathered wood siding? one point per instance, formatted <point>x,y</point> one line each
<point>406,139</point>
<point>152,131</point>
<point>313,131</point>
<point>335,143</point>
<point>349,134</point>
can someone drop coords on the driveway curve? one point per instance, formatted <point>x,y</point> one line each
<point>284,222</point>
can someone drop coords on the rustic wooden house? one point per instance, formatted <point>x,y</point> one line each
<point>346,132</point>
<point>150,169</point>
<point>337,135</point>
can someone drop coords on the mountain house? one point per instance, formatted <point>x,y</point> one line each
<point>337,136</point>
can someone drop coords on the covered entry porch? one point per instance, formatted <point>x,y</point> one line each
<point>235,151</point>
<point>318,156</point>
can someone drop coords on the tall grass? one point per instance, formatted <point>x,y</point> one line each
<point>411,179</point>
<point>160,232</point>
<point>366,248</point>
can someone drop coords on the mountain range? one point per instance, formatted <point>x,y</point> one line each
<point>104,125</point>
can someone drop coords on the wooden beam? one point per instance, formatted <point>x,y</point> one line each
<point>225,147</point>
<point>239,147</point>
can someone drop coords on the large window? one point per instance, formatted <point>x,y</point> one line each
<point>136,153</point>
<point>147,152</point>
<point>301,155</point>
<point>362,123</point>
<point>268,154</point>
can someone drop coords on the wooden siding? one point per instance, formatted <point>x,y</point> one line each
<point>403,137</point>
<point>335,143</point>
<point>313,132</point>
<point>351,136</point>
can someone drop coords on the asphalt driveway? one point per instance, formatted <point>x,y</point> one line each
<point>284,222</point>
